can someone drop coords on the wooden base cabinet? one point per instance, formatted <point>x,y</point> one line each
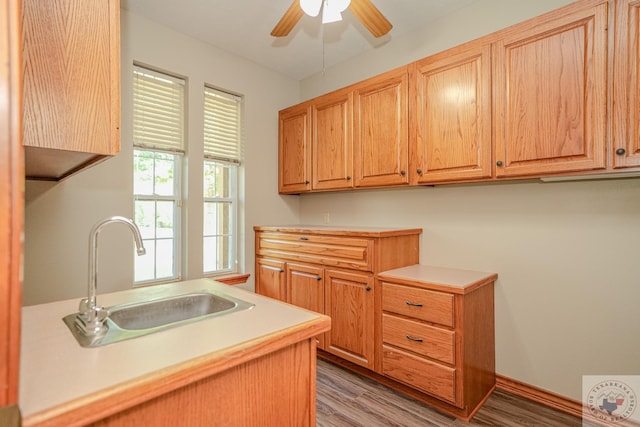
<point>438,335</point>
<point>270,279</point>
<point>332,271</point>
<point>305,288</point>
<point>349,301</point>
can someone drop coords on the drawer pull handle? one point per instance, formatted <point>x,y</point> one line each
<point>414,304</point>
<point>409,337</point>
<point>304,238</point>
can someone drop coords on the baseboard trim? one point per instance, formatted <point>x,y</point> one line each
<point>544,397</point>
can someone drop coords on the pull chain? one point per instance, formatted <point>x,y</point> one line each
<point>323,65</point>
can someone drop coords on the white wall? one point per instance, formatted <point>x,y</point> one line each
<point>567,254</point>
<point>480,18</point>
<point>58,219</point>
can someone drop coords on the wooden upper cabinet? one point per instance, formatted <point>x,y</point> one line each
<point>71,59</point>
<point>332,141</point>
<point>294,149</point>
<point>626,88</point>
<point>381,130</point>
<point>550,77</point>
<point>451,121</point>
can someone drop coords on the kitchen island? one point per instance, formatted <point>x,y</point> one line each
<point>251,367</point>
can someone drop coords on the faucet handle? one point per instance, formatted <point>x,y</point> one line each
<point>91,319</point>
<point>84,307</point>
<point>101,314</point>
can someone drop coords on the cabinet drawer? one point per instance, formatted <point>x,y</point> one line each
<point>433,378</point>
<point>346,252</point>
<point>430,306</point>
<point>425,340</point>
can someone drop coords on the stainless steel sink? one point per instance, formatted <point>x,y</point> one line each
<point>137,319</point>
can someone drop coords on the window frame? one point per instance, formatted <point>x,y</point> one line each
<point>152,142</point>
<point>232,199</point>
<point>216,152</point>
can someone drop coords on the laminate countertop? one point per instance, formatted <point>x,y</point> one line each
<point>338,230</point>
<point>451,280</point>
<point>57,375</point>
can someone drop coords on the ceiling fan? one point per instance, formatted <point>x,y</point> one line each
<point>364,10</point>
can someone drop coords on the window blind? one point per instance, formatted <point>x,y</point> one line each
<point>222,125</point>
<point>158,105</point>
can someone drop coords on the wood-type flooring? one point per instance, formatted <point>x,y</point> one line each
<point>346,399</point>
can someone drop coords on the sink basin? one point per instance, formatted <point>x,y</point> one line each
<point>165,311</point>
<point>137,319</point>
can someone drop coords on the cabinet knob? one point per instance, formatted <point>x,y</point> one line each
<point>368,288</point>
<point>403,173</point>
<point>348,178</point>
<point>303,238</point>
<point>318,278</point>
<point>281,270</point>
<point>419,171</point>
<point>307,182</point>
<point>414,304</point>
<point>499,163</point>
<point>409,337</point>
<point>620,151</point>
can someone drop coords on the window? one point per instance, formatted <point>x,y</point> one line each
<point>222,151</point>
<point>158,138</point>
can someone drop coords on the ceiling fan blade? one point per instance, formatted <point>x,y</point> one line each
<point>288,20</point>
<point>370,17</point>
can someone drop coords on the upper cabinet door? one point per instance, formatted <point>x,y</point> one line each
<point>626,88</point>
<point>71,58</point>
<point>550,77</point>
<point>381,130</point>
<point>294,149</point>
<point>332,136</point>
<point>452,115</point>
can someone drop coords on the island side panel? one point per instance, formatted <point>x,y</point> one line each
<point>276,389</point>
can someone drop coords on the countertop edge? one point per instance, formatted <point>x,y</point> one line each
<point>340,231</point>
<point>101,404</point>
<point>418,279</point>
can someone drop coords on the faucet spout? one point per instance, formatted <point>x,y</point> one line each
<point>91,317</point>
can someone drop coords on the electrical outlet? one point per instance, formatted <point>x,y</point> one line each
<point>326,218</point>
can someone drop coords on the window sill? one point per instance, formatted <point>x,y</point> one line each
<point>233,279</point>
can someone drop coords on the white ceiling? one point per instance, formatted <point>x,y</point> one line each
<point>243,27</point>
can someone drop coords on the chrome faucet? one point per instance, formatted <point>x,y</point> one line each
<point>91,317</point>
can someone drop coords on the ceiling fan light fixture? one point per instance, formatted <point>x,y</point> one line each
<point>311,7</point>
<point>330,13</point>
